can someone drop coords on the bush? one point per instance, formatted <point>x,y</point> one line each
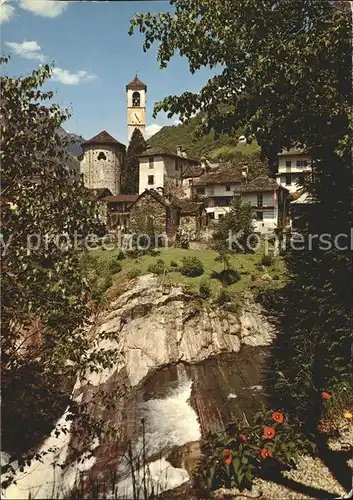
<point>120,255</point>
<point>158,268</point>
<point>205,289</point>
<point>223,297</point>
<point>266,260</point>
<point>134,273</point>
<point>115,266</point>
<point>227,276</point>
<point>174,264</point>
<point>191,266</point>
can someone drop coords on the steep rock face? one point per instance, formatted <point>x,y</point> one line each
<point>158,325</point>
<point>184,370</point>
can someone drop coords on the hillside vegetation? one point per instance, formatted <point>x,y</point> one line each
<point>220,148</point>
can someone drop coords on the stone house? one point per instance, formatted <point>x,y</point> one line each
<point>101,162</point>
<point>166,214</point>
<point>294,167</point>
<point>269,203</point>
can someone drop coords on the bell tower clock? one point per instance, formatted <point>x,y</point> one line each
<point>136,106</point>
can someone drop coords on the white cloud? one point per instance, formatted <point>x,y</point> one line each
<point>7,11</point>
<point>27,50</point>
<point>64,76</point>
<point>45,8</point>
<point>152,129</point>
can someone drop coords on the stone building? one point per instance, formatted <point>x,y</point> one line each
<point>101,162</point>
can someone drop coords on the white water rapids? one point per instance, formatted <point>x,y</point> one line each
<point>169,422</point>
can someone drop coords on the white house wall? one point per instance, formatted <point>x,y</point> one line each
<point>162,166</point>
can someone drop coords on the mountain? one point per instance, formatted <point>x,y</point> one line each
<point>75,142</point>
<point>220,148</point>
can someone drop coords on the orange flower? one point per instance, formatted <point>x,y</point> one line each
<point>269,432</point>
<point>278,417</point>
<point>242,437</point>
<point>265,453</point>
<point>227,456</point>
<point>325,395</point>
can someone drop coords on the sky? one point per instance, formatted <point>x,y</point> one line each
<point>94,59</point>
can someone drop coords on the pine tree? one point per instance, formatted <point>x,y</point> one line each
<point>130,177</point>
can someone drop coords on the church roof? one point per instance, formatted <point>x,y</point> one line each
<point>136,84</point>
<point>104,138</point>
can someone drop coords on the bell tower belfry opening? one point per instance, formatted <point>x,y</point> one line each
<point>136,106</point>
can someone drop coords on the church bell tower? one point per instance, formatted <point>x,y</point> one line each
<point>136,106</point>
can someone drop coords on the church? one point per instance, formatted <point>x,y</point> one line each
<point>103,156</point>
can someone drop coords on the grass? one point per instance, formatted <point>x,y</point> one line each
<point>247,265</point>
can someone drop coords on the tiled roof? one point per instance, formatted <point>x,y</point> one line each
<point>98,194</point>
<point>160,151</point>
<point>121,198</point>
<point>261,183</point>
<point>104,138</point>
<point>189,207</point>
<point>136,84</point>
<point>292,151</point>
<point>225,173</point>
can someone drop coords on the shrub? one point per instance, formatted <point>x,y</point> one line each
<point>223,297</point>
<point>120,255</point>
<point>158,268</point>
<point>205,289</point>
<point>191,266</point>
<point>134,273</point>
<point>174,264</point>
<point>266,260</point>
<point>269,443</point>
<point>115,266</point>
<point>227,276</point>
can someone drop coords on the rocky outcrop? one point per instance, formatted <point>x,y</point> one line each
<point>158,325</point>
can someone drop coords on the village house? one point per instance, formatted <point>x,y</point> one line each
<point>166,214</point>
<point>219,187</point>
<point>118,210</point>
<point>269,203</point>
<point>294,167</point>
<point>163,169</point>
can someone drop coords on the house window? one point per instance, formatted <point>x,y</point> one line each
<point>288,180</point>
<point>227,187</point>
<point>260,200</point>
<point>288,163</point>
<point>151,162</point>
<point>200,190</point>
<point>190,182</point>
<point>150,180</point>
<point>136,99</point>
<point>259,216</point>
<point>101,156</point>
<point>302,163</point>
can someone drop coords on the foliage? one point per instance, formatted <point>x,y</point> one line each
<point>98,274</point>
<point>115,266</point>
<point>205,289</point>
<point>191,266</point>
<point>134,273</point>
<point>233,230</point>
<point>158,268</point>
<point>120,255</point>
<point>224,297</point>
<point>226,276</point>
<point>46,215</point>
<point>174,264</point>
<point>130,174</point>
<point>268,444</point>
<point>285,72</point>
<point>266,260</point>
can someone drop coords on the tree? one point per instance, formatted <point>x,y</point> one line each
<point>46,216</point>
<point>130,177</point>
<point>286,78</point>
<point>233,231</point>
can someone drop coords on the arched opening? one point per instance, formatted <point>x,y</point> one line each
<point>136,99</point>
<point>101,156</point>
